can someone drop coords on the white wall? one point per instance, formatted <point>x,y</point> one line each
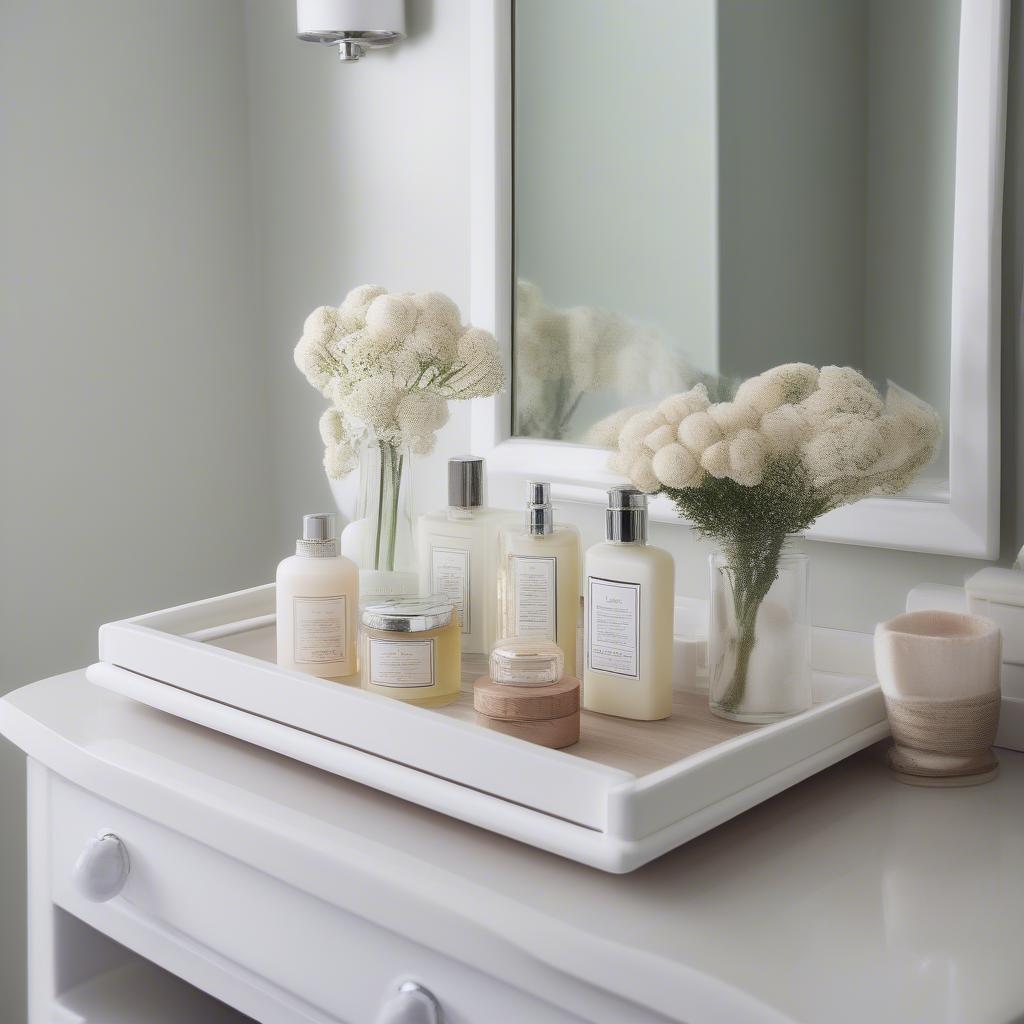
<point>135,468</point>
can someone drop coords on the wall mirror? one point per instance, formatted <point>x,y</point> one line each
<point>669,192</point>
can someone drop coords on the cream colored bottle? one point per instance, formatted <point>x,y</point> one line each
<point>458,553</point>
<point>318,605</point>
<point>539,578</point>
<point>629,595</point>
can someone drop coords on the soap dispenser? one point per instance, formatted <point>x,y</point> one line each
<point>318,605</point>
<point>539,577</point>
<point>630,603</point>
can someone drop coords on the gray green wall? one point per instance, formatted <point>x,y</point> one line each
<point>135,459</point>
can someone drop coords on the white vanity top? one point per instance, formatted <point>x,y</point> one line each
<point>850,897</point>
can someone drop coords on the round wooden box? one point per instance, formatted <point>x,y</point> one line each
<point>546,715</point>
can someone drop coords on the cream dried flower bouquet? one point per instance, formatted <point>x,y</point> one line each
<point>389,364</point>
<point>793,443</point>
<point>563,356</point>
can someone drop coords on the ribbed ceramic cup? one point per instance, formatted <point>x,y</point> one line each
<point>940,677</point>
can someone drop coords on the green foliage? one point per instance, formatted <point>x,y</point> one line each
<point>783,503</point>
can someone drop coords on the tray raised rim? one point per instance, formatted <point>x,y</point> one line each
<point>599,849</point>
<point>158,651</point>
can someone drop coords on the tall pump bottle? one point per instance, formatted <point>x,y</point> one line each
<point>539,577</point>
<point>630,601</point>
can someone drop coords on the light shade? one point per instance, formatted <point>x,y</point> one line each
<point>354,25</point>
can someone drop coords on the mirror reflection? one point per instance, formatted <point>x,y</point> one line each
<point>707,189</point>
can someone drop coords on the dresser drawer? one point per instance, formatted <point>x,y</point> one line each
<point>184,903</point>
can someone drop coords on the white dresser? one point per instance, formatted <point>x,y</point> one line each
<point>291,895</point>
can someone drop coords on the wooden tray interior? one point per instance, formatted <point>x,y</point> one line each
<point>636,747</point>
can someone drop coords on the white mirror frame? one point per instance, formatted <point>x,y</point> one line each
<point>964,521</point>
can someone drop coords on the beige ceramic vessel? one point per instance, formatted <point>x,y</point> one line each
<point>940,677</point>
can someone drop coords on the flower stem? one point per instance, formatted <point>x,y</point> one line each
<point>395,465</point>
<point>380,505</point>
<point>568,414</point>
<point>752,568</point>
<point>382,508</point>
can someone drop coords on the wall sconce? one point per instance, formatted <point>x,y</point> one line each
<point>354,25</point>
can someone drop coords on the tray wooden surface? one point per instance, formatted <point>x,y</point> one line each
<point>635,747</point>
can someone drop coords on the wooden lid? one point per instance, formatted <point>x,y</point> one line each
<point>526,703</point>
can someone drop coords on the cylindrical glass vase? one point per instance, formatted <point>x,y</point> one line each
<point>380,539</point>
<point>759,640</point>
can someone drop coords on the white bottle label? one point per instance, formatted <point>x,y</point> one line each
<point>614,627</point>
<point>449,575</point>
<point>535,579</point>
<point>319,629</point>
<point>401,662</point>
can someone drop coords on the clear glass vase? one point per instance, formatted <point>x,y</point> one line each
<point>759,640</point>
<point>380,539</point>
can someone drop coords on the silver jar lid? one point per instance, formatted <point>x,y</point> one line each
<point>409,614</point>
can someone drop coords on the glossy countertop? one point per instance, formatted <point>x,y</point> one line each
<point>848,898</point>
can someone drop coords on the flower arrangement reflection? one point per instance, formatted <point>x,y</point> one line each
<point>562,356</point>
<point>794,443</point>
<point>389,364</point>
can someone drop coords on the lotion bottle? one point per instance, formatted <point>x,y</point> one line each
<point>458,553</point>
<point>539,577</point>
<point>318,605</point>
<point>630,602</point>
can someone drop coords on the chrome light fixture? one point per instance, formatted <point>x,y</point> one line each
<point>355,26</point>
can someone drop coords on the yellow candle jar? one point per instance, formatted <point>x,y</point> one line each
<point>411,650</point>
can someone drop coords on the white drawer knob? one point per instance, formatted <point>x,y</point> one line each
<point>411,1004</point>
<point>102,868</point>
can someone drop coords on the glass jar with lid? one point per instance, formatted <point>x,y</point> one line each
<point>527,694</point>
<point>411,650</point>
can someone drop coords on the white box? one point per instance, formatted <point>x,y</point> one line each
<point>998,594</point>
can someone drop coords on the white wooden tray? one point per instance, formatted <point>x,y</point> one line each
<point>627,793</point>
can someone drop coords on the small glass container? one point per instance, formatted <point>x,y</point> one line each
<point>526,661</point>
<point>411,650</point>
<point>526,694</point>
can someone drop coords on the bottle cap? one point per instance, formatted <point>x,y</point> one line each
<point>538,492</point>
<point>526,661</point>
<point>318,536</point>
<point>465,481</point>
<point>626,517</point>
<point>409,614</point>
<point>540,516</point>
